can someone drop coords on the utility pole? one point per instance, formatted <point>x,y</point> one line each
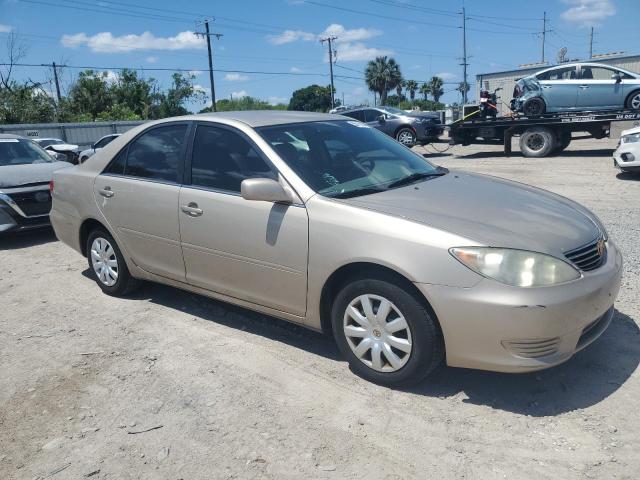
<point>329,40</point>
<point>55,79</point>
<point>591,44</point>
<point>208,36</point>
<point>544,33</point>
<point>464,63</point>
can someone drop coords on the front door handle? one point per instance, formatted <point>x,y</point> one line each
<point>546,86</point>
<point>584,86</point>
<point>106,192</point>
<point>192,209</point>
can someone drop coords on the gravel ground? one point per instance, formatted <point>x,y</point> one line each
<point>170,385</point>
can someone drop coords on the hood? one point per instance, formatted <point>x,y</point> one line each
<point>423,115</point>
<point>62,147</point>
<point>490,211</point>
<point>16,175</point>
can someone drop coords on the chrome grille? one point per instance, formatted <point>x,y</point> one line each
<point>588,257</point>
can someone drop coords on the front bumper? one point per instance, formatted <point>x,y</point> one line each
<point>20,210</point>
<point>508,329</point>
<point>627,156</point>
<point>428,132</point>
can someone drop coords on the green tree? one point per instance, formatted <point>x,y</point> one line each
<point>399,88</point>
<point>435,88</point>
<point>313,98</point>
<point>382,75</point>
<point>132,94</point>
<point>90,94</point>
<point>21,103</point>
<point>424,90</point>
<point>171,103</point>
<point>243,103</point>
<point>412,87</point>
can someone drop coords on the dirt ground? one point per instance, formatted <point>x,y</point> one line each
<point>170,385</point>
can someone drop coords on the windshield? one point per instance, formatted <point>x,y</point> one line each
<point>346,158</point>
<point>19,151</point>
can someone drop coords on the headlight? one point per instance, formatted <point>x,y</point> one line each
<point>519,268</point>
<point>631,138</point>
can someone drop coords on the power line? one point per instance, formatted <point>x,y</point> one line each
<point>330,39</point>
<point>208,36</point>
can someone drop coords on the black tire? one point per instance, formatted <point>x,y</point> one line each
<point>406,136</point>
<point>562,141</point>
<point>534,107</point>
<point>125,283</point>
<point>427,350</point>
<point>537,142</point>
<point>633,98</point>
<point>83,159</point>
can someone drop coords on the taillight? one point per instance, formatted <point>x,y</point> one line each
<point>51,187</point>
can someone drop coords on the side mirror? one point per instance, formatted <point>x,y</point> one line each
<point>381,118</point>
<point>264,190</point>
<point>617,77</point>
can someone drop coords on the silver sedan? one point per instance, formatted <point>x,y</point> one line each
<point>329,223</point>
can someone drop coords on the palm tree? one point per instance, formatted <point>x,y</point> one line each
<point>411,87</point>
<point>382,75</point>
<point>435,88</point>
<point>425,90</point>
<point>399,88</point>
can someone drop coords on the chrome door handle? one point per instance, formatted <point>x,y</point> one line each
<point>584,86</point>
<point>192,209</point>
<point>106,192</point>
<point>546,86</point>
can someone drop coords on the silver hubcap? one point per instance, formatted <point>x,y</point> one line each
<point>377,333</point>
<point>535,141</point>
<point>405,138</point>
<point>635,101</point>
<point>104,261</point>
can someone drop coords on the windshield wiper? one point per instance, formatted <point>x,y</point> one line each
<point>356,193</point>
<point>415,177</point>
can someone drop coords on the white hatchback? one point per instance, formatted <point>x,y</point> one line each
<point>627,156</point>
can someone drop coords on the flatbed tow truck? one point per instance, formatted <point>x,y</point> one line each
<point>540,136</point>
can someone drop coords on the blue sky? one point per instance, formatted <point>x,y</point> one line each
<point>281,36</point>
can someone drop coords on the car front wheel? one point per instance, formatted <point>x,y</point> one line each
<point>387,335</point>
<point>633,101</point>
<point>406,136</point>
<point>534,107</point>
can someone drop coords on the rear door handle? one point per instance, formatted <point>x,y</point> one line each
<point>106,192</point>
<point>584,86</point>
<point>192,209</point>
<point>546,86</point>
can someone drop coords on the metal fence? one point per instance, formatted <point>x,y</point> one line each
<point>82,134</point>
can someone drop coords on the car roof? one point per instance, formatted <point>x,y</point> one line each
<point>587,64</point>
<point>11,135</point>
<point>263,118</point>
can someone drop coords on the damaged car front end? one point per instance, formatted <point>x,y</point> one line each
<point>26,171</point>
<point>525,95</point>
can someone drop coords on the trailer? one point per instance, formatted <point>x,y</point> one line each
<point>539,136</point>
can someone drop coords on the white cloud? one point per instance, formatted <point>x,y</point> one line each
<point>289,36</point>
<point>240,94</point>
<point>200,88</point>
<point>354,52</point>
<point>235,77</point>
<point>335,29</point>
<point>5,28</point>
<point>152,59</point>
<point>586,13</point>
<point>447,76</point>
<point>277,100</point>
<point>294,70</point>
<point>106,42</point>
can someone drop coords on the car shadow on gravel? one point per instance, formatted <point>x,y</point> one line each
<point>585,380</point>
<point>628,176</point>
<point>32,238</point>
<point>236,317</point>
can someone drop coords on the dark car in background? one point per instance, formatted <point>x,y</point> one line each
<point>25,172</point>
<point>407,128</point>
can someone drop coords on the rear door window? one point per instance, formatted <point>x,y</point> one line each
<point>566,73</point>
<point>157,153</point>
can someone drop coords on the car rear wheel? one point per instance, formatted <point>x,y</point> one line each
<point>633,101</point>
<point>386,334</point>
<point>537,142</point>
<point>406,136</point>
<point>107,264</point>
<point>534,107</point>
